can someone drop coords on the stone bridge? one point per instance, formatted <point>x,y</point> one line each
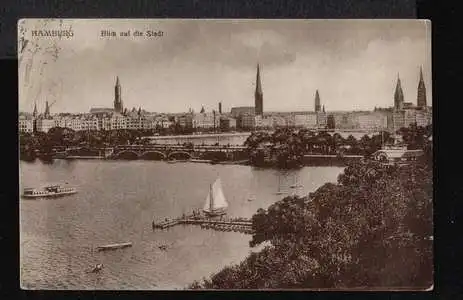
<point>169,152</point>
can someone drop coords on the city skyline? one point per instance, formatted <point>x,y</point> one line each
<point>353,65</point>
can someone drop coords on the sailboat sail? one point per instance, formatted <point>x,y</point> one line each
<point>207,205</point>
<point>215,199</point>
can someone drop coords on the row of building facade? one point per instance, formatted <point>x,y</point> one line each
<point>389,120</point>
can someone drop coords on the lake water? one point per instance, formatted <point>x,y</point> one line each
<point>118,200</point>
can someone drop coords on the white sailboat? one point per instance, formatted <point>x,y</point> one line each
<point>216,204</point>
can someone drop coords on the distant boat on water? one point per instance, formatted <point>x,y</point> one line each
<point>114,246</point>
<point>216,204</point>
<point>54,190</point>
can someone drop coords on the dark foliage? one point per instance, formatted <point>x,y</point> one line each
<point>371,229</point>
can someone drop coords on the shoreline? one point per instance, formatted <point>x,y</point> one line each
<point>315,161</point>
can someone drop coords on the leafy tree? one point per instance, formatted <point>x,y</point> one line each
<point>371,229</point>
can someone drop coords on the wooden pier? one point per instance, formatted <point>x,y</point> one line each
<point>237,225</point>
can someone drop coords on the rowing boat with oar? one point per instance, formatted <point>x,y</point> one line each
<point>114,246</point>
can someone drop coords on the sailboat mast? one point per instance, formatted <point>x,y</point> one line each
<point>212,199</point>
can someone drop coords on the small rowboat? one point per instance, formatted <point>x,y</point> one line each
<point>114,246</point>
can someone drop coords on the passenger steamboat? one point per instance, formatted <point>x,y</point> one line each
<point>48,191</point>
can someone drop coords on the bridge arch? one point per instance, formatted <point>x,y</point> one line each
<point>179,155</point>
<point>126,154</point>
<point>153,155</point>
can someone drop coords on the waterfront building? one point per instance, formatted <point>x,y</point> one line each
<point>258,95</point>
<point>44,124</point>
<point>237,111</point>
<point>263,122</point>
<point>74,123</point>
<point>118,121</point>
<point>372,121</point>
<point>104,123</point>
<point>305,120</point>
<point>227,123</point>
<point>185,120</point>
<point>409,116</point>
<point>89,123</point>
<point>161,122</point>
<point>60,121</point>
<point>279,121</point>
<point>26,124</point>
<point>321,119</point>
<point>344,120</point>
<point>206,120</point>
<point>137,120</point>
<point>398,120</point>
<point>246,121</point>
<point>424,117</point>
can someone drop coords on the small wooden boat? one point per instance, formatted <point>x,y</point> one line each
<point>114,246</point>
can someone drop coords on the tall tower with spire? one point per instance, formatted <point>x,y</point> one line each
<point>47,110</point>
<point>398,95</point>
<point>421,95</point>
<point>34,113</point>
<point>258,95</point>
<point>118,107</point>
<point>317,101</point>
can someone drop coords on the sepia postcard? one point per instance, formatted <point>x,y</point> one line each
<point>225,154</point>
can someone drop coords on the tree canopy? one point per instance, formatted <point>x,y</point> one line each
<point>371,229</point>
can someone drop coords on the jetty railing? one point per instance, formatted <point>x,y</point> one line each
<point>236,225</point>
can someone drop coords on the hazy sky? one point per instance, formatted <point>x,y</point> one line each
<point>353,63</point>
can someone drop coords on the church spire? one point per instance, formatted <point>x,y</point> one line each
<point>421,93</point>
<point>34,113</point>
<point>47,110</point>
<point>258,95</point>
<point>118,107</point>
<point>258,82</point>
<point>317,101</point>
<point>398,95</point>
